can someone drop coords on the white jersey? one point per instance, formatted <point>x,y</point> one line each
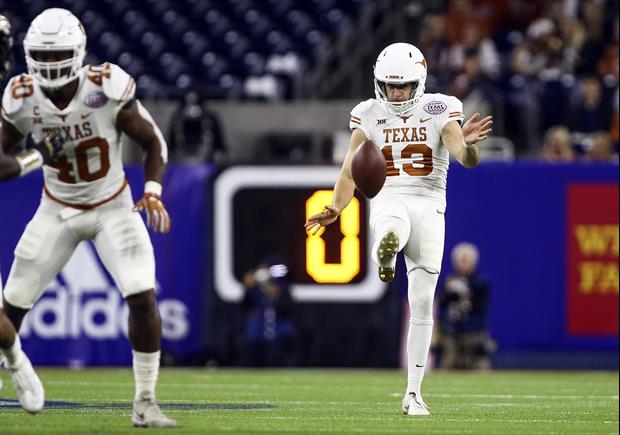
<point>92,170</point>
<point>417,161</point>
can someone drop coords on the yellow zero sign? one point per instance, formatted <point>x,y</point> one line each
<point>349,266</point>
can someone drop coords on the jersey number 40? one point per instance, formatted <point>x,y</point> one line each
<point>66,170</point>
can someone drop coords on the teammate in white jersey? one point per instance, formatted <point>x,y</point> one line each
<point>417,133</point>
<point>86,195</point>
<point>26,383</point>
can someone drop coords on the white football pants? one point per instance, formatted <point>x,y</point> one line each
<point>119,235</point>
<point>419,223</point>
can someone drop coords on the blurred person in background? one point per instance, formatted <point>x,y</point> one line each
<point>269,331</point>
<point>600,148</point>
<point>433,41</point>
<point>569,29</point>
<point>592,14</point>
<point>195,133</point>
<point>557,145</point>
<point>590,111</point>
<point>608,65</point>
<point>476,89</point>
<point>485,14</point>
<point>86,194</point>
<point>474,43</point>
<point>536,60</point>
<point>463,306</point>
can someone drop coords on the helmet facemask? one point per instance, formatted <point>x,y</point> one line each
<point>54,74</point>
<point>397,107</point>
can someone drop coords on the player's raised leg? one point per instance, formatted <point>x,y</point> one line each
<point>28,387</point>
<point>391,227</point>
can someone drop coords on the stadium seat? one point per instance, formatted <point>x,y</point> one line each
<point>172,43</point>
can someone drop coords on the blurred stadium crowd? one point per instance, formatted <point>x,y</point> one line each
<point>546,69</point>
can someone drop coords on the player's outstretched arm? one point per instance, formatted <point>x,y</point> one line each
<point>343,190</point>
<point>461,142</point>
<point>138,124</point>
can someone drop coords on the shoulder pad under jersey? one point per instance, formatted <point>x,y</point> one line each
<point>117,85</point>
<point>17,91</point>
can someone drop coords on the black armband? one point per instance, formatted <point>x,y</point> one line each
<point>128,104</point>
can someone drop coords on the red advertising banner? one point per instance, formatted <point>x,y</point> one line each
<point>592,262</point>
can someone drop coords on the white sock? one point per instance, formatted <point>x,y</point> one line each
<point>145,371</point>
<point>418,344</point>
<point>14,355</point>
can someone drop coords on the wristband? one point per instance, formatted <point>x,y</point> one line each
<point>28,161</point>
<point>152,187</point>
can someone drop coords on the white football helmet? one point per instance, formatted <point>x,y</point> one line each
<point>400,63</point>
<point>55,29</point>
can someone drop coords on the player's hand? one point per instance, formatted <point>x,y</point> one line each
<point>475,131</point>
<point>157,217</point>
<point>51,147</point>
<point>320,220</point>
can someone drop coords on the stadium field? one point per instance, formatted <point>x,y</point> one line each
<point>235,401</point>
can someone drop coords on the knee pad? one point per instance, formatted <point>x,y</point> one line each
<point>126,234</point>
<point>421,293</point>
<point>23,287</point>
<point>32,244</point>
<point>126,247</point>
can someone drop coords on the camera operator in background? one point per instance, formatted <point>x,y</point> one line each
<point>465,341</point>
<point>269,330</point>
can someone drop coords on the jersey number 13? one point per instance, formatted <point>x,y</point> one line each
<point>416,166</point>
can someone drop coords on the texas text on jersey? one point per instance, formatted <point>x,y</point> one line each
<point>417,162</point>
<point>92,169</point>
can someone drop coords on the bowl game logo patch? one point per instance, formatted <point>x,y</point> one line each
<point>435,107</point>
<point>95,99</point>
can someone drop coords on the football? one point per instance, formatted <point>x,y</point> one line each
<point>368,168</point>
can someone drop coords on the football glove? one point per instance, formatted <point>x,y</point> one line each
<point>51,147</point>
<point>157,217</point>
<point>37,154</point>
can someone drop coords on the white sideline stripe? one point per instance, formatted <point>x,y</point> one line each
<point>430,395</point>
<point>441,419</point>
<point>517,396</point>
<point>525,396</point>
<point>308,387</point>
<point>474,420</point>
<point>351,430</point>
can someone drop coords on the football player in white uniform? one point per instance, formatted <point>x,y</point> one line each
<point>417,133</point>
<point>27,385</point>
<point>86,195</point>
